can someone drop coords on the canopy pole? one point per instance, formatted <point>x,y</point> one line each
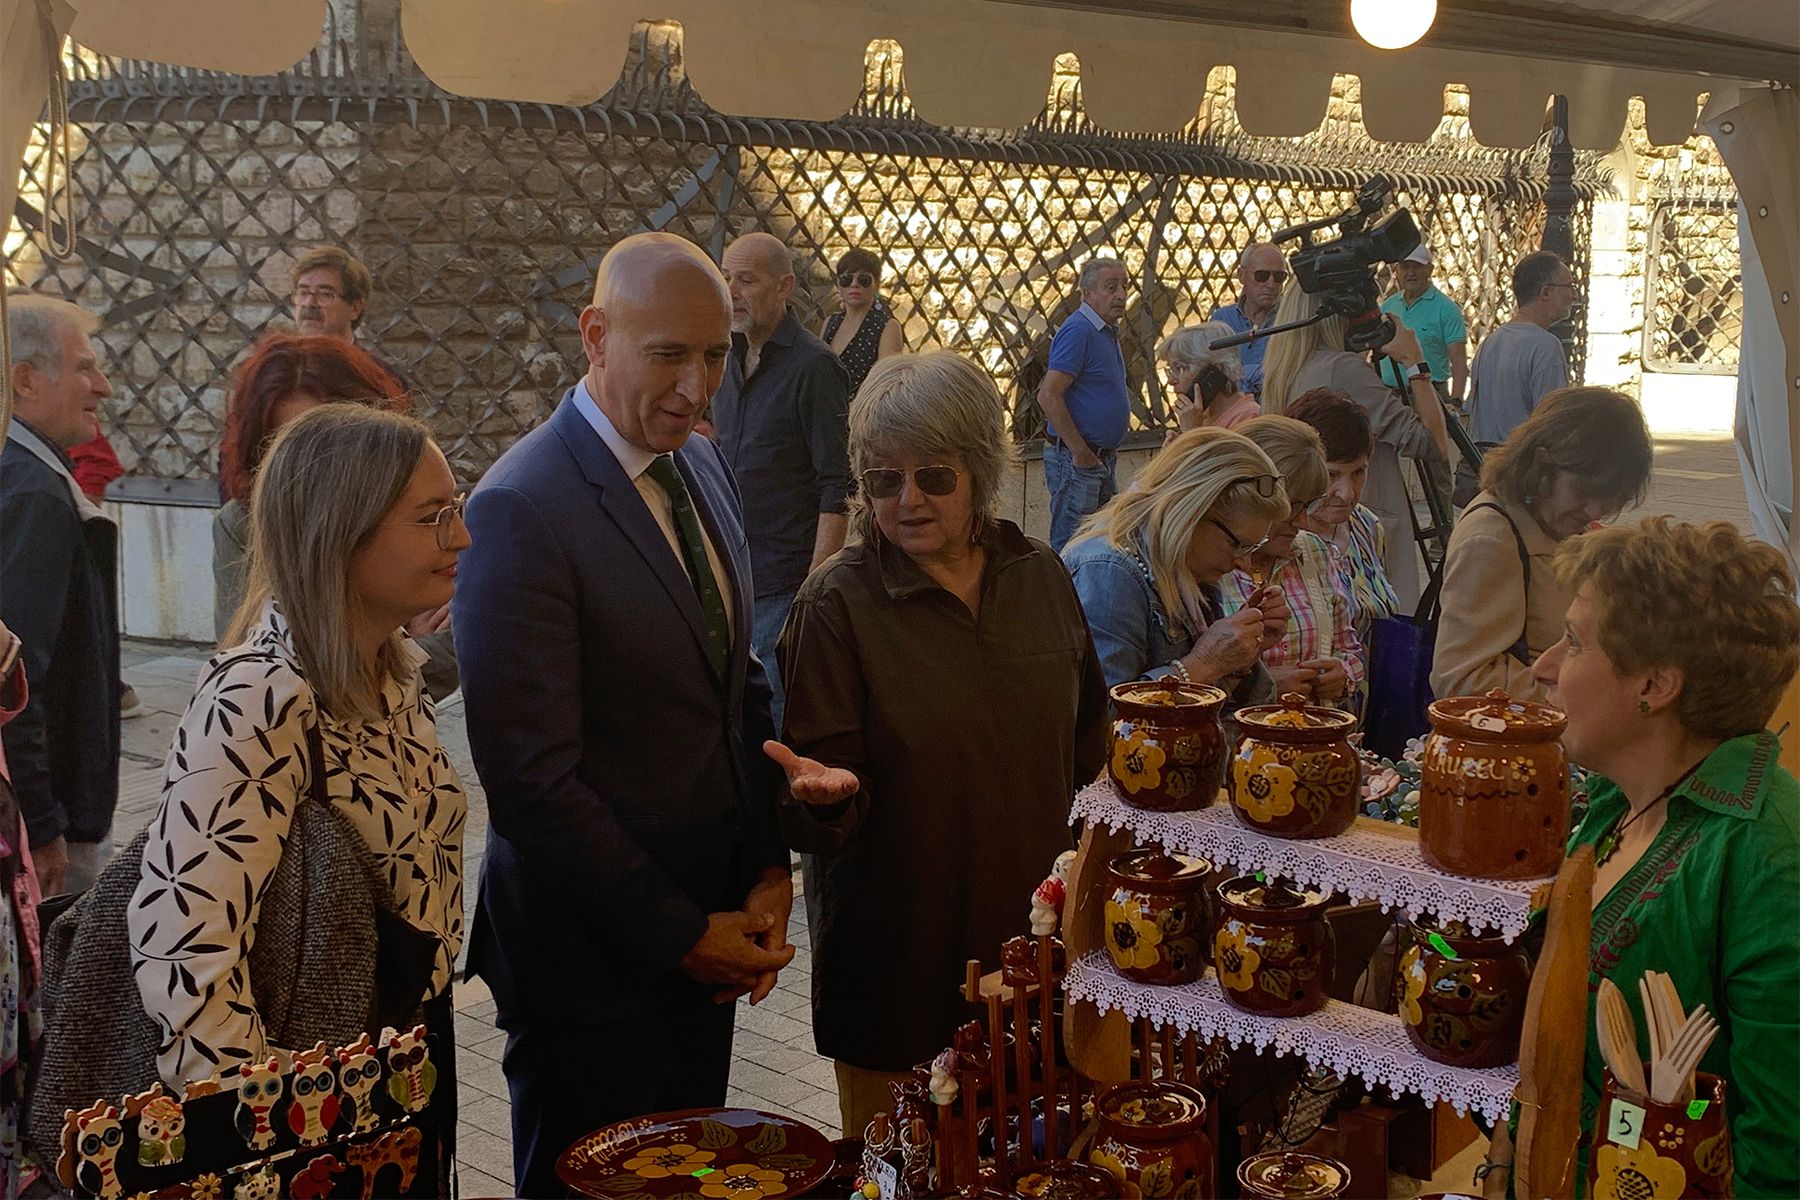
<point>1559,205</point>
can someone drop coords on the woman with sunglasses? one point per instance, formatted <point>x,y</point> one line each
<point>1208,383</point>
<point>286,375</point>
<point>863,330</point>
<point>355,527</point>
<point>1318,654</point>
<point>1581,458</point>
<point>1414,427</point>
<point>944,702</point>
<point>1147,567</point>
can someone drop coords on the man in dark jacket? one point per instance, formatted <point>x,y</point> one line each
<point>58,589</point>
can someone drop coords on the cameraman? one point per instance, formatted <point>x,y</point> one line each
<point>1314,357</point>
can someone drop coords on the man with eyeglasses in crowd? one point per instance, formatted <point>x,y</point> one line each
<point>1262,272</point>
<point>1522,361</point>
<point>331,292</point>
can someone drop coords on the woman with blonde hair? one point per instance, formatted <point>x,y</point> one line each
<point>1314,357</point>
<point>1147,566</point>
<point>1673,656</point>
<point>1318,654</point>
<point>1583,456</point>
<point>356,526</point>
<point>1208,383</point>
<point>944,702</point>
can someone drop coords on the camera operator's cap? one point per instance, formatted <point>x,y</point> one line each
<point>1420,254</point>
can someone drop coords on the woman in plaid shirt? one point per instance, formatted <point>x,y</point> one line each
<point>1320,657</point>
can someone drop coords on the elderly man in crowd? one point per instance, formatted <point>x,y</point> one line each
<point>59,564</point>
<point>331,291</point>
<point>1436,321</point>
<point>635,883</point>
<point>1522,361</point>
<point>1085,401</point>
<point>781,418</point>
<point>1262,272</point>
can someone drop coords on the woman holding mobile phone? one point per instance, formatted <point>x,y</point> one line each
<point>1207,383</point>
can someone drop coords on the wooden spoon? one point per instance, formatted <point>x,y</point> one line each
<point>1652,1018</point>
<point>1617,1033</point>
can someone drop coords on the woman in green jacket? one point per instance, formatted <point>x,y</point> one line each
<point>1675,653</point>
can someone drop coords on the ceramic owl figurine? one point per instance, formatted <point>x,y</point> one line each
<point>95,1135</point>
<point>260,1184</point>
<point>259,1087</point>
<point>411,1073</point>
<point>356,1084</point>
<point>315,1107</point>
<point>162,1127</point>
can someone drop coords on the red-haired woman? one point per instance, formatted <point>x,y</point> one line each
<point>285,375</point>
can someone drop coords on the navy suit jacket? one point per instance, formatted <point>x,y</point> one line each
<point>627,790</point>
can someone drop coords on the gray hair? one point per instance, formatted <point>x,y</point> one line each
<point>938,405</point>
<point>1090,270</point>
<point>36,325</point>
<point>1192,344</point>
<point>328,480</point>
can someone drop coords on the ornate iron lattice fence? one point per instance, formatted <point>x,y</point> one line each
<point>483,222</point>
<point>1694,315</point>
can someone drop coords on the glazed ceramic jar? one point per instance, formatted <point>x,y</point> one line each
<point>1462,995</point>
<point>1273,948</point>
<point>1294,773</point>
<point>1064,1179</point>
<point>1494,792</point>
<point>1681,1149</point>
<point>1167,744</point>
<point>1157,916</point>
<point>1290,1175</point>
<point>1153,1136</point>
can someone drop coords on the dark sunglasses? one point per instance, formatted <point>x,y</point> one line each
<point>1265,276</point>
<point>884,483</point>
<point>855,279</point>
<point>1265,484</point>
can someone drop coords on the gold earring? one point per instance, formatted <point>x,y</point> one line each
<point>1643,708</point>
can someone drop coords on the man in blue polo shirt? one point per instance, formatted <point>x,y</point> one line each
<point>1437,322</point>
<point>1085,401</point>
<point>1262,272</point>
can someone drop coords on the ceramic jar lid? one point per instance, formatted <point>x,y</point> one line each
<point>1497,717</point>
<point>1289,1175</point>
<point>1152,870</point>
<point>1273,897</point>
<point>1153,1109</point>
<point>1294,720</point>
<point>1167,693</point>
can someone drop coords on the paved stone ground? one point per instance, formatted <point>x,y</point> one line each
<point>774,1068</point>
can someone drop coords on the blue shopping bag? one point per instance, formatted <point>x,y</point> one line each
<point>1400,674</point>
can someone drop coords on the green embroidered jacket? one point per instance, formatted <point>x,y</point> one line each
<point>1715,903</point>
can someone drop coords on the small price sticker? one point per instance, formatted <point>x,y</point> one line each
<point>1441,946</point>
<point>1697,1109</point>
<point>1625,1124</point>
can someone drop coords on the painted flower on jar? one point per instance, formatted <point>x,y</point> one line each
<point>1137,762</point>
<point>1264,786</point>
<point>1234,958</point>
<point>661,1162</point>
<point>1641,1174</point>
<point>1108,1162</point>
<point>1412,972</point>
<point>1132,935</point>
<point>745,1181</point>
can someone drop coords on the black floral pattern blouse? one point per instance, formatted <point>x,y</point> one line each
<point>236,770</point>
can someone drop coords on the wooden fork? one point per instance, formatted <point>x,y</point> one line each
<point>1674,1072</point>
<point>1618,1038</point>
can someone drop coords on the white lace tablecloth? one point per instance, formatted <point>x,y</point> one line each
<point>1383,865</point>
<point>1339,1037</point>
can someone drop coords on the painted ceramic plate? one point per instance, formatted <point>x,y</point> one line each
<point>699,1154</point>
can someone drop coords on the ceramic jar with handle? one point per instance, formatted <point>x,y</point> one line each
<point>1494,788</point>
<point>1291,1175</point>
<point>1462,994</point>
<point>1168,747</point>
<point>1294,773</point>
<point>1273,948</point>
<point>1158,916</point>
<point>1153,1137</point>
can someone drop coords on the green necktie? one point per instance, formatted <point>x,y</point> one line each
<point>693,549</point>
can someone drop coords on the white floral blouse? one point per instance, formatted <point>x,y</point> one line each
<point>243,738</point>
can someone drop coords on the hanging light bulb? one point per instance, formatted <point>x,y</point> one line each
<point>1392,24</point>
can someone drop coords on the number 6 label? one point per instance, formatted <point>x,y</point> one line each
<point>1625,1124</point>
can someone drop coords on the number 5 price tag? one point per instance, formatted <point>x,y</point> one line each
<point>1625,1124</point>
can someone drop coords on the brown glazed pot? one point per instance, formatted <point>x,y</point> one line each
<point>1464,1008</point>
<point>1167,744</point>
<point>1294,773</point>
<point>1158,916</point>
<point>1273,948</point>
<point>1064,1179</point>
<point>1676,1154</point>
<point>1290,1175</point>
<point>1494,792</point>
<point>1153,1136</point>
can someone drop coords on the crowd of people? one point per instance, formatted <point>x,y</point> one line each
<point>751,589</point>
